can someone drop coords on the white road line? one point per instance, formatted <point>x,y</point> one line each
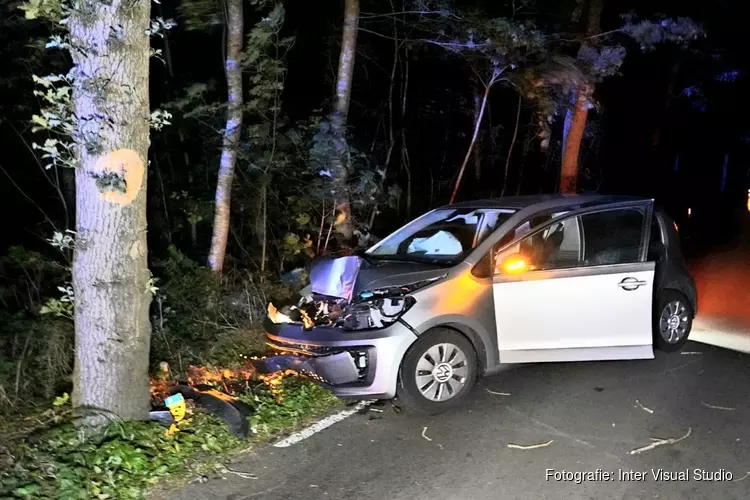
<point>321,424</point>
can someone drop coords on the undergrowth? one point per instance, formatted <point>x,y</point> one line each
<point>128,458</point>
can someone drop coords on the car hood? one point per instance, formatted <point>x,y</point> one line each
<point>346,277</point>
<point>384,274</point>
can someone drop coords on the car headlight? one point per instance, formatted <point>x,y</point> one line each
<point>380,308</point>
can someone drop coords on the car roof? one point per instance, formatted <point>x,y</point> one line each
<point>547,201</point>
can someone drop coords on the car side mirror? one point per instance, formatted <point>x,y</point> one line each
<point>515,263</point>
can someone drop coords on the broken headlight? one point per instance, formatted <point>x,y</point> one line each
<point>382,307</point>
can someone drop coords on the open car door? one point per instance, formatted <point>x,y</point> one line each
<point>577,288</point>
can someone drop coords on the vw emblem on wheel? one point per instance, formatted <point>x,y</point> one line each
<point>443,372</point>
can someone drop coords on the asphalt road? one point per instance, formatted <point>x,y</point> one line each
<point>592,412</point>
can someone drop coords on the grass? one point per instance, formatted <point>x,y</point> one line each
<point>130,460</point>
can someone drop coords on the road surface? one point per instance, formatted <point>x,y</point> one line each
<point>594,414</point>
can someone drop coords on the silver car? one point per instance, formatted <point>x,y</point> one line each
<point>466,288</point>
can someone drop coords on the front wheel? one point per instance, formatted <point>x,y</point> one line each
<point>673,320</point>
<point>437,372</point>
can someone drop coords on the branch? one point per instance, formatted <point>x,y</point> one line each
<point>412,12</point>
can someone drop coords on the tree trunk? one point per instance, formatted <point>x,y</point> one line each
<point>575,120</point>
<point>569,169</point>
<point>339,160</point>
<point>477,124</point>
<point>478,146</point>
<point>110,268</point>
<point>232,135</point>
<point>510,148</point>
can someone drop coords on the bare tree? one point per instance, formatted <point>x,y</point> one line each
<point>232,132</point>
<point>110,270</point>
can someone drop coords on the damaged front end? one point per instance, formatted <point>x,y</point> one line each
<point>335,334</point>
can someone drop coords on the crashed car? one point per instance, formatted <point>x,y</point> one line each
<point>467,288</point>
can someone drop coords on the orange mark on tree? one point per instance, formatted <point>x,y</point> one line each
<point>127,164</point>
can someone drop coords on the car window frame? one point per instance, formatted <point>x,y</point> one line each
<point>645,205</point>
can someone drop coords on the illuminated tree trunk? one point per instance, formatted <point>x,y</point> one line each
<point>569,168</point>
<point>575,119</point>
<point>110,269</point>
<point>232,134</point>
<point>339,159</point>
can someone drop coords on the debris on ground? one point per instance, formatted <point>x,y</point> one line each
<point>425,435</point>
<point>498,393</point>
<point>747,474</point>
<point>223,469</point>
<point>233,411</point>
<point>639,405</point>
<point>691,353</point>
<point>660,442</point>
<point>531,446</point>
<point>725,408</point>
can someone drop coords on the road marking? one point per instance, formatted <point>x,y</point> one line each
<point>321,424</point>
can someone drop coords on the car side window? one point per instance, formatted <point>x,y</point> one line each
<point>558,246</point>
<point>612,237</point>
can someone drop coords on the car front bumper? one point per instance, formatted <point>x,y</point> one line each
<point>352,364</point>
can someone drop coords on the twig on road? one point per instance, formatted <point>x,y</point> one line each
<point>498,393</point>
<point>725,408</point>
<point>691,353</point>
<point>660,442</point>
<point>425,435</point>
<point>747,474</point>
<point>639,405</point>
<point>531,446</point>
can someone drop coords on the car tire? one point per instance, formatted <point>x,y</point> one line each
<point>456,372</point>
<point>673,320</point>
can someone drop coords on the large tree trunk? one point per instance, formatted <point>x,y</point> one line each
<point>340,158</point>
<point>575,119</point>
<point>232,134</point>
<point>110,269</point>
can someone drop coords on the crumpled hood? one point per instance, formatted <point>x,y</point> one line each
<point>345,277</point>
<point>393,273</point>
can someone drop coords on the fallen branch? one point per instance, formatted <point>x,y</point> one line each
<point>661,442</point>
<point>639,405</point>
<point>243,475</point>
<point>425,435</point>
<point>531,446</point>
<point>498,393</point>
<point>725,408</point>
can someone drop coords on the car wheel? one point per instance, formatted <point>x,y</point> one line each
<point>437,372</point>
<point>673,320</point>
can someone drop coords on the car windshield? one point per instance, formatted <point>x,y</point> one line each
<point>441,236</point>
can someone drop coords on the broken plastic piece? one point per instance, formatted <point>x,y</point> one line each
<point>277,317</point>
<point>229,409</point>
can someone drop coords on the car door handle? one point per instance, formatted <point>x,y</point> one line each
<point>631,284</point>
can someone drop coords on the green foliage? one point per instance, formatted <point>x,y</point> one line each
<point>128,458</point>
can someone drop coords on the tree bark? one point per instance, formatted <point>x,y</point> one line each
<point>339,159</point>
<point>575,119</point>
<point>477,124</point>
<point>232,133</point>
<point>110,268</point>
<point>569,168</point>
